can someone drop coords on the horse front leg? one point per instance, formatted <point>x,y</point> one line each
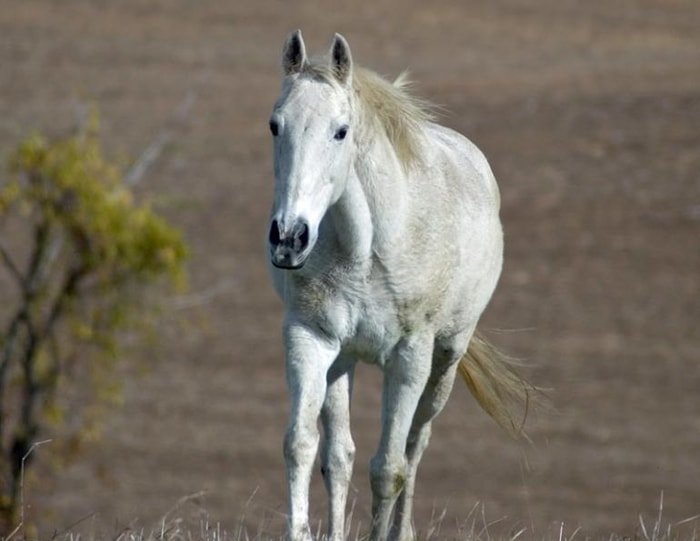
<point>309,356</point>
<point>405,377</point>
<point>338,450</point>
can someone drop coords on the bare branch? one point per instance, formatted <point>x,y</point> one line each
<point>21,487</point>
<point>10,264</point>
<point>153,151</point>
<point>52,254</point>
<point>204,296</point>
<point>54,369</point>
<point>41,235</point>
<point>8,350</point>
<point>65,294</point>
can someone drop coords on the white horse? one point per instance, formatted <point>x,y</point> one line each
<point>385,245</point>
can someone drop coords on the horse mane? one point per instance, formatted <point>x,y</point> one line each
<point>389,106</point>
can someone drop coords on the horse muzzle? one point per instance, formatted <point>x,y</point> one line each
<point>289,246</point>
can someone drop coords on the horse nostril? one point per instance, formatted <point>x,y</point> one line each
<point>304,236</point>
<point>274,236</point>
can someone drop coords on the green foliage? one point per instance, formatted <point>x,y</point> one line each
<point>93,256</point>
<point>71,185</point>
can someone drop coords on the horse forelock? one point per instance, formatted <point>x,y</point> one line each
<point>383,105</point>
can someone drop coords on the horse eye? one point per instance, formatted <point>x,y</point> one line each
<point>274,127</point>
<point>341,133</point>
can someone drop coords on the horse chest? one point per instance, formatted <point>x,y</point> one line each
<point>355,309</point>
<point>376,332</point>
<point>381,317</point>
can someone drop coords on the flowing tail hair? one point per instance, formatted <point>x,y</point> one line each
<point>497,387</point>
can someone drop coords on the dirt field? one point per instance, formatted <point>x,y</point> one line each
<point>590,115</point>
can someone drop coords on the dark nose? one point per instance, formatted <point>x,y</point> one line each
<point>274,236</point>
<point>291,240</point>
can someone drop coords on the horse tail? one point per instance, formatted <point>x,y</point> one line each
<point>497,387</point>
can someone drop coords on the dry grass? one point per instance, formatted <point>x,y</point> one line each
<point>188,520</point>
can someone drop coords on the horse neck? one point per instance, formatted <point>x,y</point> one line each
<point>373,200</point>
<point>351,219</point>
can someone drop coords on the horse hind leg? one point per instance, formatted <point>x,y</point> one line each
<point>445,361</point>
<point>338,451</point>
<point>405,376</point>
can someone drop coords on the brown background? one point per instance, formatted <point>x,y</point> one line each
<point>590,115</point>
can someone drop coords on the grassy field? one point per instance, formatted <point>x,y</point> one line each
<point>589,115</point>
<point>189,520</point>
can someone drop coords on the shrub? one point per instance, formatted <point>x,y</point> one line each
<point>83,254</point>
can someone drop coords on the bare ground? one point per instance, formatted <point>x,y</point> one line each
<point>590,116</point>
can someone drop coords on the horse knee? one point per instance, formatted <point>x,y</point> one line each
<point>387,476</point>
<point>300,445</point>
<point>337,459</point>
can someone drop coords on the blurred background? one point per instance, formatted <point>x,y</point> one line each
<point>589,113</point>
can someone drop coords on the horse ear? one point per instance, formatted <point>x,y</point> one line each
<point>294,53</point>
<point>341,59</point>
